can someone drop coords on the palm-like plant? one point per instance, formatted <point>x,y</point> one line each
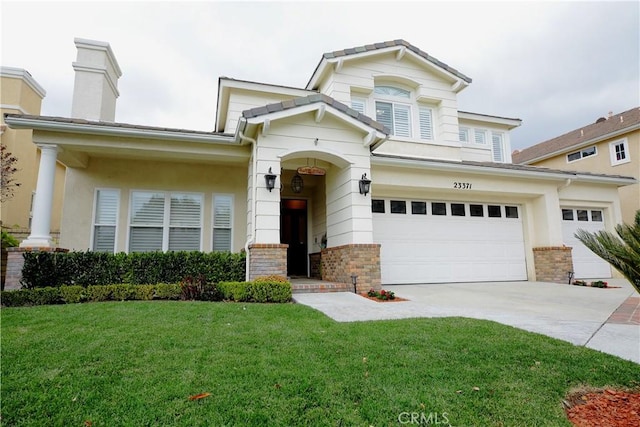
<point>622,251</point>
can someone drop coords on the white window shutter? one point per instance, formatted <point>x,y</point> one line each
<point>106,217</point>
<point>497,147</point>
<point>359,104</point>
<point>147,220</point>
<point>222,222</point>
<point>384,115</point>
<point>463,135</point>
<point>426,123</point>
<point>479,136</point>
<point>185,221</point>
<point>402,120</point>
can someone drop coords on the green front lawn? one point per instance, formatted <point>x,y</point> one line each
<point>137,363</point>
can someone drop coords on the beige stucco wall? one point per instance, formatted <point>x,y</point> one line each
<point>601,163</point>
<point>18,97</point>
<point>131,174</point>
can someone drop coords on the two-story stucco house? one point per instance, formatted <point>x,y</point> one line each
<point>610,145</point>
<point>369,170</point>
<point>20,93</point>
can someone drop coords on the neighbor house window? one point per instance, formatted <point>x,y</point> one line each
<point>105,219</point>
<point>586,152</point>
<point>619,152</point>
<point>165,221</point>
<point>222,222</point>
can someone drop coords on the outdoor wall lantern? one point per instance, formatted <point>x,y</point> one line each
<point>297,184</point>
<point>354,282</point>
<point>270,179</point>
<point>365,184</point>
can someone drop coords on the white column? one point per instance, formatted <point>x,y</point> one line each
<point>42,206</point>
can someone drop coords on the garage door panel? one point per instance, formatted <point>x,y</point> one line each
<point>436,249</point>
<point>586,264</point>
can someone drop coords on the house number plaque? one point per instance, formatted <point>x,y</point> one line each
<point>462,185</point>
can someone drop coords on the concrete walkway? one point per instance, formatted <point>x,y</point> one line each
<point>580,315</point>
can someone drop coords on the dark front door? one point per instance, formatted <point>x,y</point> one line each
<point>293,232</point>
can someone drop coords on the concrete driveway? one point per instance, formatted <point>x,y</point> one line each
<point>579,315</point>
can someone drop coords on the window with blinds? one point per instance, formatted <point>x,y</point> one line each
<point>359,104</point>
<point>222,222</point>
<point>396,117</point>
<point>463,134</point>
<point>105,220</point>
<point>165,221</point>
<point>480,136</point>
<point>497,147</point>
<point>426,123</point>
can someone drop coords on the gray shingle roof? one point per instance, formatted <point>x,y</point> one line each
<point>313,99</point>
<point>68,120</point>
<point>577,137</point>
<point>393,43</point>
<point>510,166</point>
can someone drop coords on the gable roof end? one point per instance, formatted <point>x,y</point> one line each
<point>313,99</point>
<point>613,126</point>
<point>379,46</point>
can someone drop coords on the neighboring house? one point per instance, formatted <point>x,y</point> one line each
<point>21,94</point>
<point>286,172</point>
<point>610,145</point>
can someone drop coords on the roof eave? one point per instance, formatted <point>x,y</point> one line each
<point>582,144</point>
<point>106,130</point>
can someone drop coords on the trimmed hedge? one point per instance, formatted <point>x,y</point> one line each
<point>54,269</point>
<point>258,291</point>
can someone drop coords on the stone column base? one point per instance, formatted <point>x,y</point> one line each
<point>267,259</point>
<point>553,263</point>
<point>363,260</point>
<point>15,262</point>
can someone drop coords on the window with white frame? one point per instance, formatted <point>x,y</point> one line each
<point>497,147</point>
<point>619,152</point>
<point>463,134</point>
<point>222,222</point>
<point>162,221</point>
<point>359,104</point>
<point>396,109</point>
<point>479,136</point>
<point>585,152</point>
<point>105,220</point>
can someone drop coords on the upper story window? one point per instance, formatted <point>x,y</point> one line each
<point>396,108</point>
<point>619,151</point>
<point>463,134</point>
<point>585,152</point>
<point>497,147</point>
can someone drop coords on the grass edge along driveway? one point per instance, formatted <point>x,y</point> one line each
<point>137,363</point>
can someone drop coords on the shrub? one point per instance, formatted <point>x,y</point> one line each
<point>122,292</point>
<point>42,269</point>
<point>17,298</point>
<point>99,293</point>
<point>234,291</point>
<point>45,296</point>
<point>199,290</point>
<point>72,294</point>
<point>142,292</point>
<point>8,241</point>
<point>169,291</point>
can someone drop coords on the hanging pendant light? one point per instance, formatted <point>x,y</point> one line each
<point>297,184</point>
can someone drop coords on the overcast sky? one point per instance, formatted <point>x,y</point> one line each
<point>557,66</point>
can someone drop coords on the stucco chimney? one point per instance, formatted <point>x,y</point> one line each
<point>96,84</point>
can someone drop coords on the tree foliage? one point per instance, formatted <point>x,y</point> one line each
<point>8,164</point>
<point>621,251</point>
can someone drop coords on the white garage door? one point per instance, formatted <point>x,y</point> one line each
<point>586,264</point>
<point>438,242</point>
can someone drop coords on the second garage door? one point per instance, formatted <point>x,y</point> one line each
<point>439,242</point>
<point>586,264</point>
